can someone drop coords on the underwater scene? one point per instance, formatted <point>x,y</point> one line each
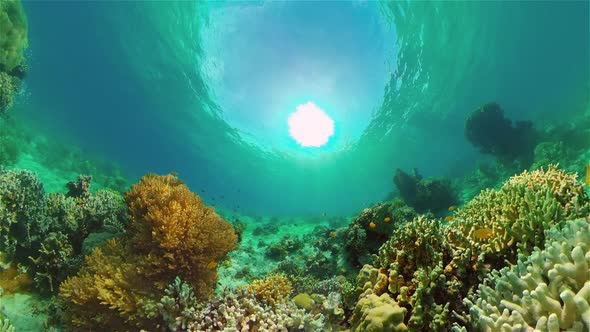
<point>294,166</point>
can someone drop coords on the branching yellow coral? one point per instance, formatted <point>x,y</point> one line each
<point>172,233</point>
<point>273,289</point>
<point>106,291</point>
<point>173,226</point>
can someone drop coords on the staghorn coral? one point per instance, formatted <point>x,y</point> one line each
<point>547,291</point>
<point>272,290</point>
<point>174,227</point>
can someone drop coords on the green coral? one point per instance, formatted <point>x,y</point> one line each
<point>13,34</point>
<point>497,223</point>
<point>21,212</point>
<point>547,291</point>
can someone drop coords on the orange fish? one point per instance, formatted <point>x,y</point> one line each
<point>452,207</point>
<point>372,224</point>
<point>588,175</point>
<point>449,218</point>
<point>483,233</point>
<point>212,265</point>
<point>387,219</point>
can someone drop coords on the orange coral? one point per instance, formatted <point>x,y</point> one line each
<point>272,289</point>
<point>172,233</point>
<point>172,225</point>
<point>106,291</point>
<point>12,281</point>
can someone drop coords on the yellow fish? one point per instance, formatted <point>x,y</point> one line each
<point>372,224</point>
<point>588,175</point>
<point>212,265</point>
<point>449,218</point>
<point>387,219</point>
<point>333,234</point>
<point>483,233</point>
<point>452,207</point>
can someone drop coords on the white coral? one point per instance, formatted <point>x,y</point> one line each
<point>548,291</point>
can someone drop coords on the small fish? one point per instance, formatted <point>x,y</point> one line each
<point>372,224</point>
<point>324,214</point>
<point>387,219</point>
<point>449,218</point>
<point>333,234</point>
<point>588,175</point>
<point>222,196</point>
<point>483,233</point>
<point>452,207</point>
<point>212,265</point>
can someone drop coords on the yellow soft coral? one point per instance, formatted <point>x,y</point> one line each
<point>106,291</point>
<point>174,227</point>
<point>272,289</point>
<point>172,233</point>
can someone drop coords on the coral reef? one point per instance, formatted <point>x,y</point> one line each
<point>546,291</point>
<point>13,41</point>
<point>409,270</point>
<point>272,290</point>
<point>492,133</point>
<point>372,227</point>
<point>424,194</point>
<point>171,234</point>
<point>240,311</point>
<point>176,229</point>
<point>496,223</point>
<point>377,314</point>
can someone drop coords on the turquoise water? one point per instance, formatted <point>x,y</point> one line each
<point>205,89</point>
<point>349,166</point>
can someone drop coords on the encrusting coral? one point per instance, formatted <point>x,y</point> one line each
<point>171,234</point>
<point>377,314</point>
<point>546,291</point>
